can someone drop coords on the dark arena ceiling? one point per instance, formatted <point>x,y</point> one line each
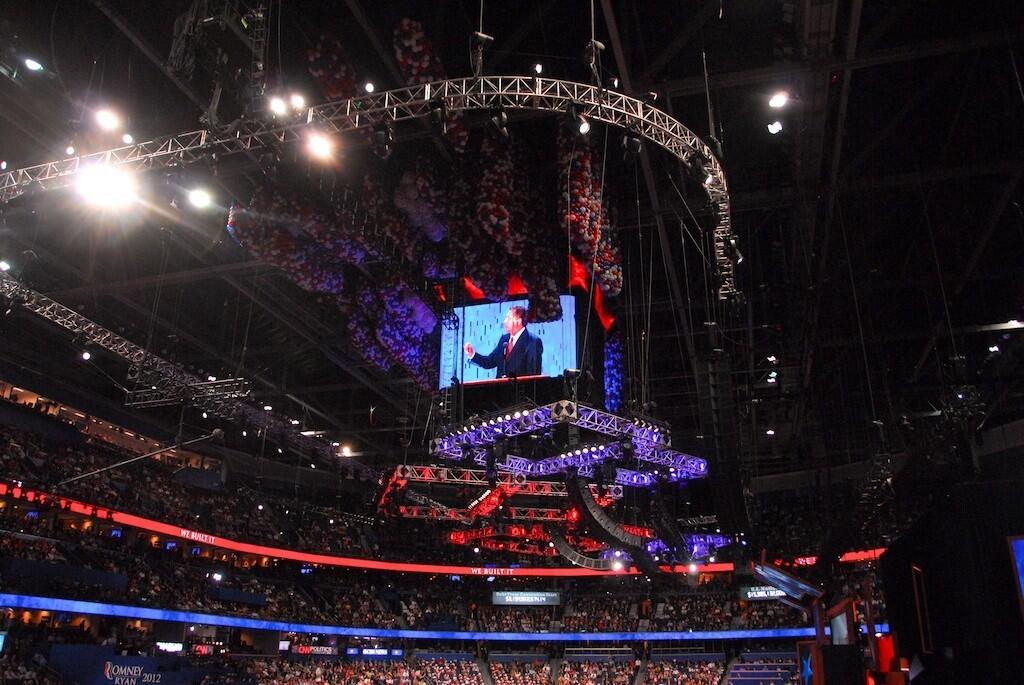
<point>881,229</point>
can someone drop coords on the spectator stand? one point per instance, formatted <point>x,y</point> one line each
<point>763,668</point>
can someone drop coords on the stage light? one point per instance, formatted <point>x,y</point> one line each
<point>617,565</point>
<point>218,577</point>
<point>278,106</point>
<point>312,466</point>
<point>211,379</point>
<point>476,550</point>
<point>260,507</point>
<point>770,432</point>
<point>86,355</point>
<point>3,165</point>
<point>204,415</point>
<point>551,544</point>
<point>615,81</point>
<point>108,120</point>
<point>993,349</point>
<point>693,568</point>
<point>32,65</point>
<point>127,139</point>
<point>320,146</point>
<point>500,124</point>
<point>383,138</point>
<point>709,179</point>
<point>772,359</point>
<point>5,265</point>
<point>575,120</point>
<point>618,553</point>
<point>369,87</point>
<point>199,198</point>
<point>775,127</point>
<point>69,150</point>
<point>346,451</point>
<point>267,407</point>
<point>779,100</point>
<point>294,422</point>
<point>297,101</point>
<point>772,379</point>
<point>711,559</point>
<point>538,68</point>
<point>106,186</point>
<point>245,434</point>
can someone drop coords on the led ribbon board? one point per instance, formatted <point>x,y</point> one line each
<point>75,606</point>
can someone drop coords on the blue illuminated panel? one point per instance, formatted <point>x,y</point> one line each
<point>122,611</point>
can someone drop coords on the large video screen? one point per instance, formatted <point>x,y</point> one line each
<point>545,349</point>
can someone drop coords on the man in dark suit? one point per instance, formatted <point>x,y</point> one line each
<point>518,353</point>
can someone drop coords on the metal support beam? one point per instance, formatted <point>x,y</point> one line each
<point>789,73</point>
<point>176,278</point>
<point>139,42</point>
<point>652,191</point>
<point>979,249</point>
<point>693,27</point>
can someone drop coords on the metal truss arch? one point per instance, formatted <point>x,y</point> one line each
<point>465,94</point>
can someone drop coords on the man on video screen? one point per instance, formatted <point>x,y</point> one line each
<point>518,353</point>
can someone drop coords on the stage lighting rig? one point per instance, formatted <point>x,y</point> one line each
<point>438,115</point>
<point>499,123</point>
<point>383,138</point>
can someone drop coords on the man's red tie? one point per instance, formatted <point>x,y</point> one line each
<point>508,348</point>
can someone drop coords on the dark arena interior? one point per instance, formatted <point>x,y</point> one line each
<point>543,342</point>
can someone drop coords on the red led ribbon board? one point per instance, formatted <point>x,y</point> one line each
<point>152,526</point>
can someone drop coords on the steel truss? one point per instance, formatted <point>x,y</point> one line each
<point>514,482</point>
<point>163,378</point>
<point>463,515</point>
<point>466,94</point>
<point>649,443</point>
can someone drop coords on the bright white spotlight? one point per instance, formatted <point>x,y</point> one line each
<point>709,179</point>
<point>69,150</point>
<point>127,139</point>
<point>106,186</point>
<point>108,120</point>
<point>298,102</point>
<point>278,106</point>
<point>267,407</point>
<point>584,127</point>
<point>369,87</point>
<point>199,198</point>
<point>5,265</point>
<point>779,100</point>
<point>538,68</point>
<point>775,127</point>
<point>218,577</point>
<point>32,65</point>
<point>617,565</point>
<point>770,432</point>
<point>86,355</point>
<point>3,165</point>
<point>693,568</point>
<point>320,146</point>
<point>346,451</point>
<point>211,379</point>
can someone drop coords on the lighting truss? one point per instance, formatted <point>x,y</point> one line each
<point>149,368</point>
<point>486,93</point>
<point>462,515</point>
<point>482,432</point>
<point>513,481</point>
<point>206,394</point>
<point>650,444</point>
